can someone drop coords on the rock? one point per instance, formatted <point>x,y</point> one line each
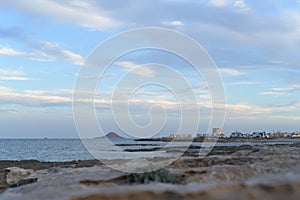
<point>221,173</point>
<point>223,192</point>
<point>258,172</point>
<point>3,183</point>
<point>162,176</point>
<point>16,176</point>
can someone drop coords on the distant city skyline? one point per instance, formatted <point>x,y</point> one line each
<point>255,45</point>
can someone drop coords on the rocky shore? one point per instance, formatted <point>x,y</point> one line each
<point>227,172</point>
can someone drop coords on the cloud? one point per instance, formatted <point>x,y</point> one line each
<point>14,78</point>
<point>230,72</point>
<point>218,3</point>
<point>79,12</point>
<point>282,91</point>
<point>9,111</point>
<point>11,72</point>
<point>241,5</point>
<point>173,23</point>
<point>45,98</point>
<point>270,93</point>
<point>237,4</point>
<point>141,104</point>
<point>294,118</point>
<point>246,83</point>
<point>135,68</point>
<point>288,108</point>
<point>7,51</point>
<point>53,52</point>
<point>13,75</point>
<point>205,96</point>
<point>28,98</point>
<point>96,77</point>
<point>246,111</point>
<point>45,52</point>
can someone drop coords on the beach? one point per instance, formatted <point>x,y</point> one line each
<point>269,171</point>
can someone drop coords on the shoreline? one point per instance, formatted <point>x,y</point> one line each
<point>216,150</point>
<point>266,171</point>
<point>209,139</point>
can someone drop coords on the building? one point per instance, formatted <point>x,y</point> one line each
<point>171,136</point>
<point>200,135</point>
<point>260,135</point>
<point>236,134</point>
<point>295,135</point>
<point>182,136</point>
<point>178,136</point>
<point>216,132</point>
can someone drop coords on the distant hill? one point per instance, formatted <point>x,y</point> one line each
<point>112,135</point>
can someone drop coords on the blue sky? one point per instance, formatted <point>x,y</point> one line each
<point>255,45</point>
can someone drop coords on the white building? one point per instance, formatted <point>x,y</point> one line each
<point>216,132</point>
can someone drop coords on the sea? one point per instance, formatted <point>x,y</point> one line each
<point>59,150</point>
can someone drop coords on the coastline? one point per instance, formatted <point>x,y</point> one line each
<point>210,139</point>
<point>265,171</point>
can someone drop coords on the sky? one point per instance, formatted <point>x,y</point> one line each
<point>43,45</point>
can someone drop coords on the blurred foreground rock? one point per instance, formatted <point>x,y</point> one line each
<point>15,176</point>
<point>258,172</point>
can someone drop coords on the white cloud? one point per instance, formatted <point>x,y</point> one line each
<point>53,52</point>
<point>218,3</point>
<point>236,4</point>
<point>95,76</point>
<point>11,72</point>
<point>230,72</point>
<point>29,98</point>
<point>14,78</point>
<point>246,83</point>
<point>282,91</point>
<point>62,97</point>
<point>135,68</point>
<point>289,108</point>
<point>205,96</point>
<point>271,93</point>
<point>12,75</point>
<point>7,51</point>
<point>173,23</point>
<point>126,64</point>
<point>294,118</point>
<point>45,52</point>
<point>4,89</point>
<point>241,5</point>
<point>246,110</point>
<point>83,13</point>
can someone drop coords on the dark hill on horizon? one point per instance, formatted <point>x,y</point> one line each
<point>112,135</point>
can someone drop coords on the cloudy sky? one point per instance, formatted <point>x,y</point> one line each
<point>255,45</point>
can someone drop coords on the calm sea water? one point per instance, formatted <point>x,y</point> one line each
<point>43,149</point>
<point>73,149</point>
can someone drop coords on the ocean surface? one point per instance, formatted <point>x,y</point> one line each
<point>73,149</point>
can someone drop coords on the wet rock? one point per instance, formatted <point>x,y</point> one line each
<point>16,176</point>
<point>38,165</point>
